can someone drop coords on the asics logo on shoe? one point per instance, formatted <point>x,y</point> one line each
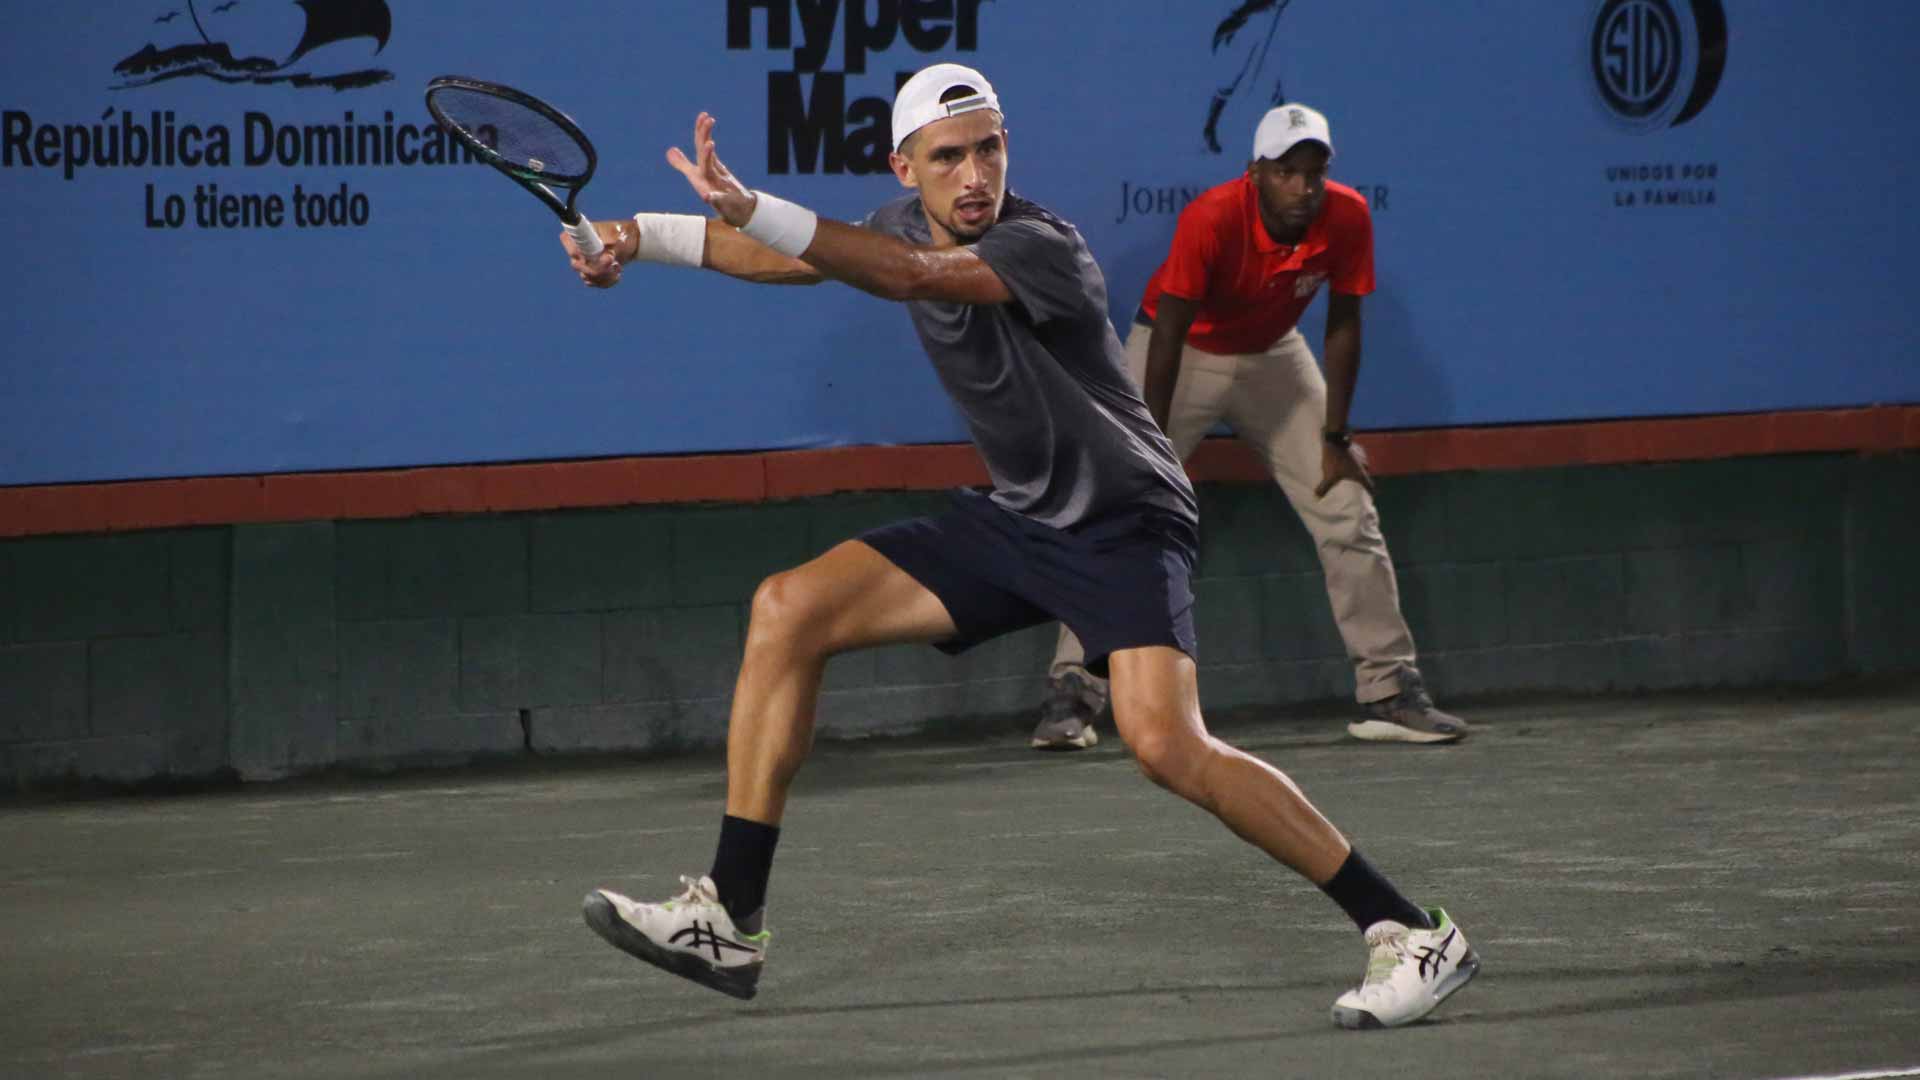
<point>703,937</point>
<point>1434,954</point>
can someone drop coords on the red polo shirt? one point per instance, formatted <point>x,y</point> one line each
<point>1251,291</point>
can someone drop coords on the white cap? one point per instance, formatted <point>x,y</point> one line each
<point>918,102</point>
<point>1282,127</point>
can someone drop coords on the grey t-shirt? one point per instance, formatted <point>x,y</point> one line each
<point>1042,381</point>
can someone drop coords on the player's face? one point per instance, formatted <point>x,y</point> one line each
<point>960,166</point>
<point>1293,186</point>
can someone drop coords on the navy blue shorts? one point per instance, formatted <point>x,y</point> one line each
<point>1120,582</point>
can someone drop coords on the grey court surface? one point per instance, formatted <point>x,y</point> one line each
<point>1681,886</point>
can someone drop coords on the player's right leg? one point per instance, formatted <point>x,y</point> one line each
<point>1075,696</point>
<point>849,598</point>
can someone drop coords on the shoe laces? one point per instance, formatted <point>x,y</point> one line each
<point>1413,689</point>
<point>1388,948</point>
<point>1057,709</point>
<point>1067,700</point>
<point>696,892</point>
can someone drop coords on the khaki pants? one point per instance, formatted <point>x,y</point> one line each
<point>1276,402</point>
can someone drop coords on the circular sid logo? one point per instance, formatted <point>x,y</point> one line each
<point>1655,66</point>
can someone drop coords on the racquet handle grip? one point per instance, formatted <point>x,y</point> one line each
<point>586,237</point>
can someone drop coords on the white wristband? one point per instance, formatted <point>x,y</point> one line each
<point>673,239</point>
<point>783,226</point>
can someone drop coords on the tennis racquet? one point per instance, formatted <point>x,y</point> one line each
<point>536,145</point>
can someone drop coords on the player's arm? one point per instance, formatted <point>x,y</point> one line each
<point>886,266</point>
<point>883,265</point>
<point>893,269</point>
<point>1171,320</point>
<point>875,262</point>
<point>686,240</point>
<point>689,240</point>
<point>735,254</point>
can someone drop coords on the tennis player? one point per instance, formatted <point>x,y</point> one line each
<point>1091,521</point>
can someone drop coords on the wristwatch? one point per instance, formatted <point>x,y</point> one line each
<point>1340,437</point>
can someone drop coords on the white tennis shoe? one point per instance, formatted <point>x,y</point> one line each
<point>1409,973</point>
<point>690,935</point>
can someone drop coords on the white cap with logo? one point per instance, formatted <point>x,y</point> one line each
<point>1282,128</point>
<point>918,102</point>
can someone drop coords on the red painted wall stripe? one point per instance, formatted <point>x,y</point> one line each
<point>467,489</point>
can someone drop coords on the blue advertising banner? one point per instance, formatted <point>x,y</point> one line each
<point>238,245</point>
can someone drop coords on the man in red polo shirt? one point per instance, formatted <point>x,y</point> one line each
<point>1216,338</point>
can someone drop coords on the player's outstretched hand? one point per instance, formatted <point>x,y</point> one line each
<point>603,270</point>
<point>1338,463</point>
<point>711,179</point>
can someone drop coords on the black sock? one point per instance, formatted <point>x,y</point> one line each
<point>1367,897</point>
<point>742,864</point>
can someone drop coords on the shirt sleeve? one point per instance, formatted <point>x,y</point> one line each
<point>884,218</point>
<point>1189,265</point>
<point>1353,254</point>
<point>1041,265</point>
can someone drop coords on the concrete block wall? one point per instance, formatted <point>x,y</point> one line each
<point>1622,578</point>
<point>271,650</point>
<point>1882,566</point>
<point>113,655</point>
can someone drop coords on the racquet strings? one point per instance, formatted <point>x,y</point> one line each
<point>526,138</point>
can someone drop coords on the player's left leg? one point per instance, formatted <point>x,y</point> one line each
<point>1279,407</point>
<point>1416,957</point>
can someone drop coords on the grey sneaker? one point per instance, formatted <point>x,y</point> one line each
<point>1066,717</point>
<point>1409,716</point>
